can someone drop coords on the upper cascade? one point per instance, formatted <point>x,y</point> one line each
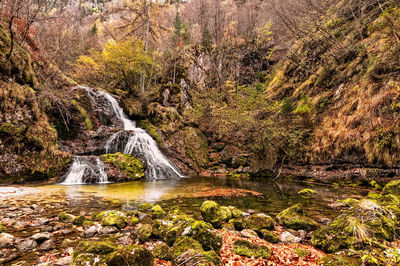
<point>129,140</point>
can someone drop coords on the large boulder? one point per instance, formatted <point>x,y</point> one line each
<point>293,218</point>
<point>248,249</point>
<point>212,213</point>
<point>259,221</point>
<point>112,218</point>
<point>357,227</point>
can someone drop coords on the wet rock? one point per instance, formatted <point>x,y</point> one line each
<point>259,221</point>
<point>270,236</point>
<point>287,238</point>
<point>43,221</point>
<point>6,240</point>
<point>236,213</point>
<point>248,249</point>
<point>47,245</point>
<point>26,245</point>
<point>248,233</point>
<point>307,193</point>
<point>131,255</point>
<point>324,221</point>
<point>145,207</point>
<point>145,218</point>
<point>293,218</point>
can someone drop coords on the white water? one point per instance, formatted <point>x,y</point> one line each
<point>82,168</point>
<point>139,144</point>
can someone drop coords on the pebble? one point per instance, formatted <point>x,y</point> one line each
<point>47,245</point>
<point>40,237</point>
<point>91,231</point>
<point>107,230</point>
<point>26,245</point>
<point>63,261</point>
<point>248,233</point>
<point>6,240</point>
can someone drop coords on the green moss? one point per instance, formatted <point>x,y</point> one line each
<point>202,232</point>
<point>112,218</point>
<point>293,218</point>
<point>226,213</point>
<point>238,223</point>
<point>183,244</point>
<point>393,187</point>
<point>3,228</point>
<point>196,146</point>
<point>144,232</point>
<point>211,212</point>
<point>64,217</point>
<point>302,252</point>
<point>145,207</point>
<point>270,236</point>
<point>134,220</point>
<point>307,193</point>
<point>157,211</point>
<point>88,122</point>
<point>94,247</point>
<point>350,202</point>
<point>236,213</point>
<point>131,255</point>
<point>338,260</point>
<point>259,221</point>
<point>126,163</point>
<point>87,223</point>
<point>248,249</point>
<point>79,220</point>
<point>162,251</point>
<point>152,131</point>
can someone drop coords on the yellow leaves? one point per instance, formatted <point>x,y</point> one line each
<point>264,34</point>
<point>88,62</point>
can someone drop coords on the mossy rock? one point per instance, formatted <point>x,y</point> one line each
<point>126,163</point>
<point>307,193</point>
<point>85,259</point>
<point>79,220</point>
<point>373,195</point>
<point>161,228</point>
<point>211,212</point>
<point>356,228</point>
<point>229,226</point>
<point>226,213</point>
<point>144,232</point>
<point>131,255</point>
<point>94,247</point>
<point>162,251</point>
<point>112,218</point>
<point>393,187</point>
<point>183,244</point>
<point>157,211</point>
<point>259,221</point>
<point>238,223</point>
<point>134,220</point>
<point>3,228</point>
<point>146,207</point>
<point>248,249</point>
<point>270,236</point>
<point>202,232</point>
<point>389,199</point>
<point>338,260</point>
<point>65,217</point>
<point>236,213</point>
<point>350,202</point>
<point>293,218</point>
<point>87,223</point>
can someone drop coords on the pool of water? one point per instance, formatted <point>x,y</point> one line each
<point>260,195</point>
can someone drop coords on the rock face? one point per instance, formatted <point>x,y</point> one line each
<point>294,218</point>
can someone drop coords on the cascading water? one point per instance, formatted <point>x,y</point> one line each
<point>130,140</point>
<point>83,169</point>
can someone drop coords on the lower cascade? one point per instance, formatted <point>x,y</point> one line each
<point>129,140</point>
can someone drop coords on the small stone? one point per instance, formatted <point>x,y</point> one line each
<point>6,240</point>
<point>90,232</point>
<point>47,245</point>
<point>248,233</point>
<point>40,237</point>
<point>65,261</point>
<point>288,238</point>
<point>26,245</point>
<point>107,230</point>
<point>302,234</point>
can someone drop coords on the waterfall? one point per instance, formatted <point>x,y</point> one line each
<point>130,140</point>
<point>84,169</point>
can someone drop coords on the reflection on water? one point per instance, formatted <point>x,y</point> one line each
<point>275,196</point>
